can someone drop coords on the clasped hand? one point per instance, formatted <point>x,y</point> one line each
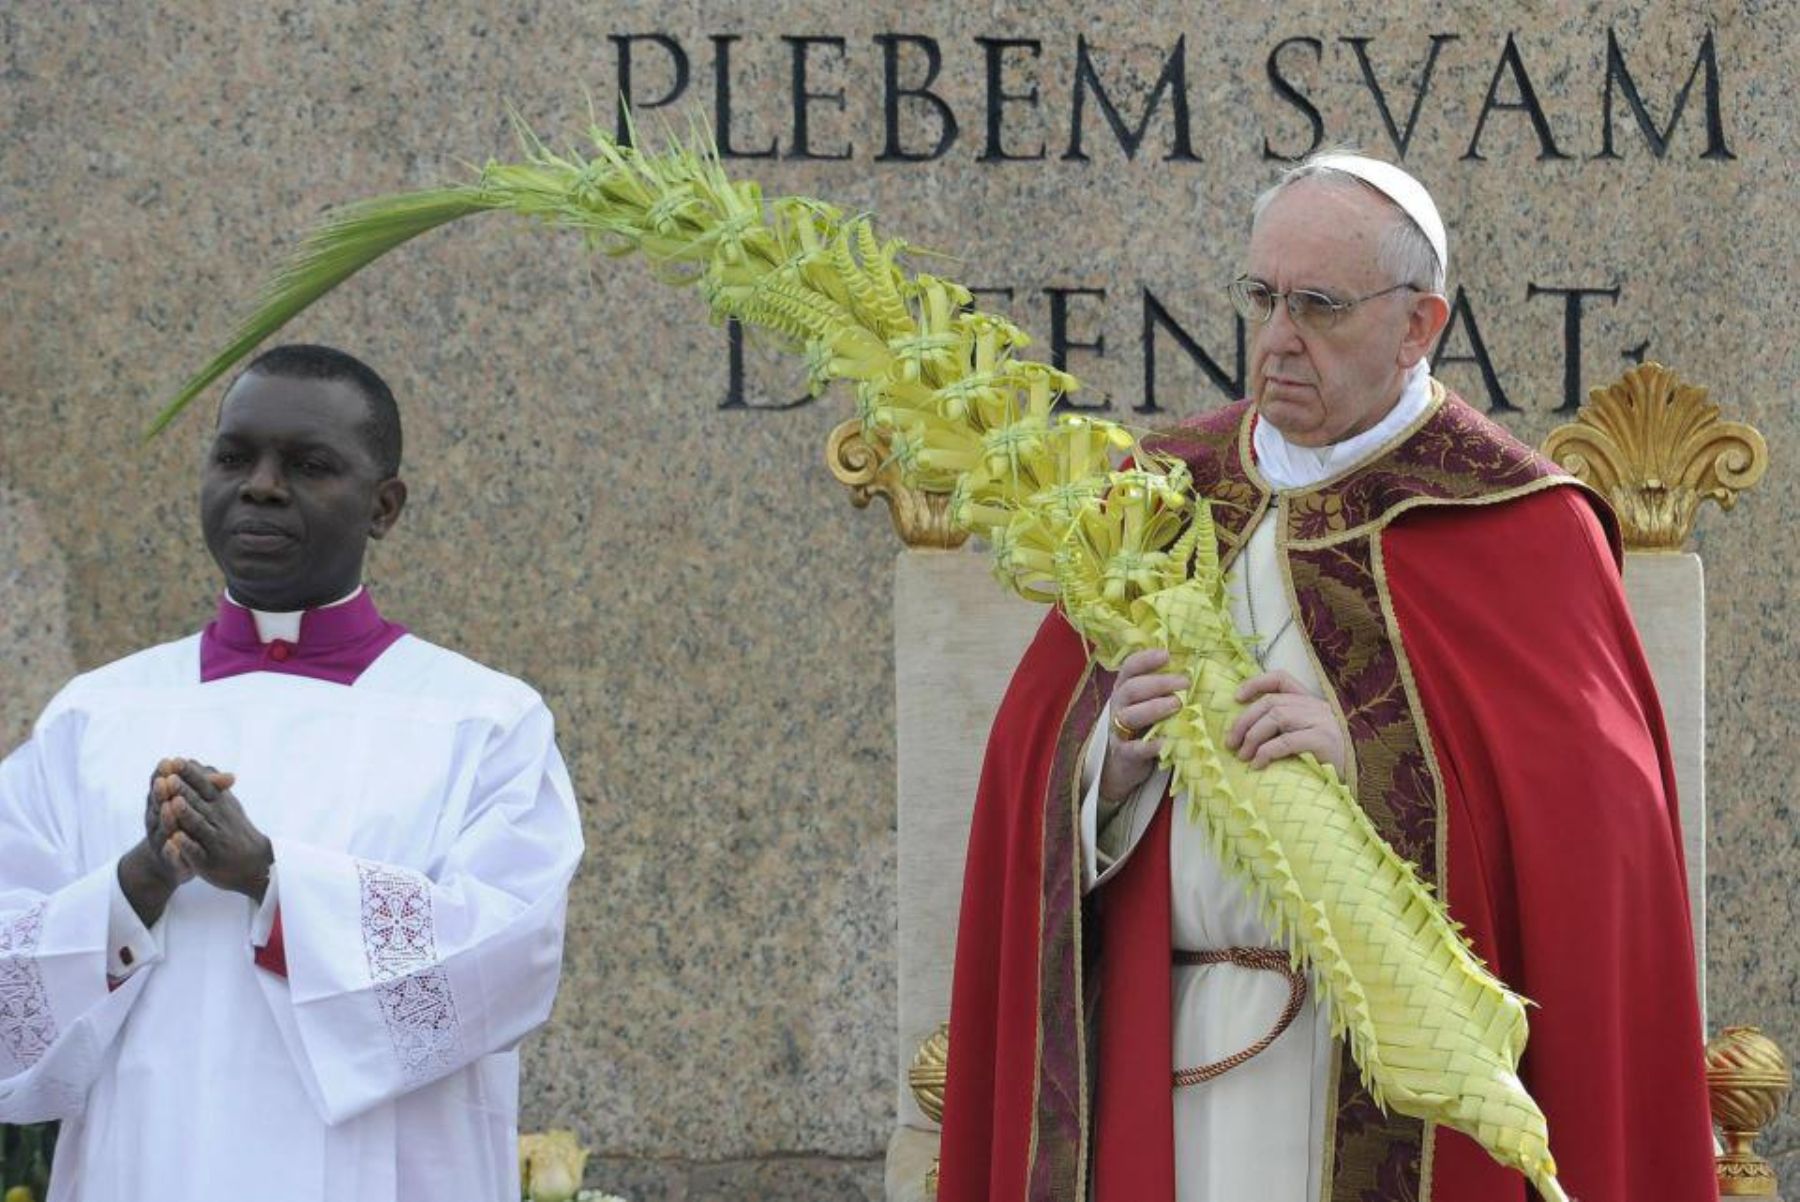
<point>1279,719</point>
<point>197,827</point>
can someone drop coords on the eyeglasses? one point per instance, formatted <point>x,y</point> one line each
<point>1310,310</point>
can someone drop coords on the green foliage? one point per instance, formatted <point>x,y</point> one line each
<point>25,1157</point>
<point>352,240</point>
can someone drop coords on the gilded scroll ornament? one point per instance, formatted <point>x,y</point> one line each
<point>1655,447</point>
<point>1748,1078</point>
<point>868,469</point>
<point>929,1072</point>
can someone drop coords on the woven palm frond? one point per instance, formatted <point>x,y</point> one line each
<point>1128,555</point>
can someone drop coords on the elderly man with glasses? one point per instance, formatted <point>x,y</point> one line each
<point>1439,616</point>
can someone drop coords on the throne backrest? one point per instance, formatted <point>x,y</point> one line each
<point>958,636</point>
<point>1667,595</point>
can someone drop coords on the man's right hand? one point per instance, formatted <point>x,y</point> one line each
<point>1141,698</point>
<point>148,873</point>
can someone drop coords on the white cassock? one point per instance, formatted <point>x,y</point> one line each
<point>425,832</point>
<point>1258,1131</point>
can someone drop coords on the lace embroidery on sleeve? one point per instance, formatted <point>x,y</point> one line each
<point>26,1024</point>
<point>412,989</point>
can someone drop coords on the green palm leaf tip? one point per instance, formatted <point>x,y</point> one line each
<point>679,209</point>
<point>346,244</point>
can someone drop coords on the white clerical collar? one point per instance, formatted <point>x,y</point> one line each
<point>1288,467</point>
<point>285,626</point>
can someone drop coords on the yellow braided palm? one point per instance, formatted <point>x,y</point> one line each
<point>1129,555</point>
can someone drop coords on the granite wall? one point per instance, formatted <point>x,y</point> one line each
<point>34,623</point>
<point>605,506</point>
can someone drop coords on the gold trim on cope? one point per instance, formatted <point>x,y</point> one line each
<point>927,1076</point>
<point>1284,548</point>
<point>865,467</point>
<point>1654,446</point>
<point>1748,1078</point>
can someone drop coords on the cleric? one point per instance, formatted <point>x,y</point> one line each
<point>278,900</point>
<point>1438,614</point>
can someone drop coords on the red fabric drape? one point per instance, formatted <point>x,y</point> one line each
<point>272,955</point>
<point>1134,1113</point>
<point>988,1099</point>
<point>1564,854</point>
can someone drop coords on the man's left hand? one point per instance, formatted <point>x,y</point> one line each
<point>213,835</point>
<point>1281,719</point>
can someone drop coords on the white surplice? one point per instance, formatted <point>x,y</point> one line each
<point>425,832</point>
<point>1256,1132</point>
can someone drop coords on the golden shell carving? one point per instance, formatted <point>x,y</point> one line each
<point>1655,447</point>
<point>1748,1078</point>
<point>921,519</point>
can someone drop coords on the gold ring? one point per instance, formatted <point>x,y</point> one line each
<point>1128,733</point>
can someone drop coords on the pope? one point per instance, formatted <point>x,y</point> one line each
<point>1437,614</point>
